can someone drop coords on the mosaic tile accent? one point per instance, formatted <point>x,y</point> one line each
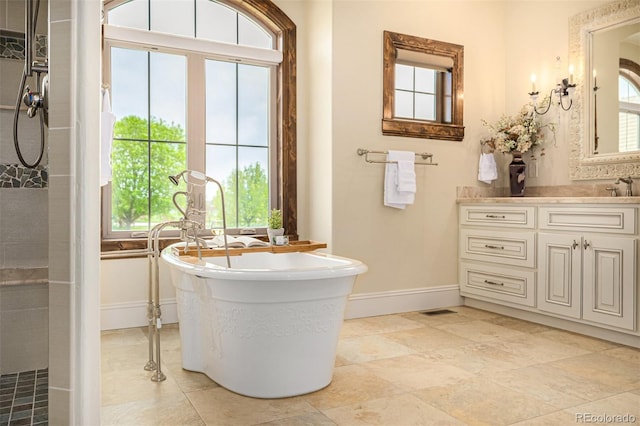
<point>24,398</point>
<point>12,45</point>
<point>18,176</point>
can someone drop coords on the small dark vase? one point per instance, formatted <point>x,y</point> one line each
<point>517,175</point>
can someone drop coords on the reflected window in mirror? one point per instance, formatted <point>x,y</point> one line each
<point>629,98</point>
<point>422,88</point>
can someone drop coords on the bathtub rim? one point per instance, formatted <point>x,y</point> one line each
<point>347,267</point>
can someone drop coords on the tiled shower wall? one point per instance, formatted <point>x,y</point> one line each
<point>24,229</point>
<point>24,212</point>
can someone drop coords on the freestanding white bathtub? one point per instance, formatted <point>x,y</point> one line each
<point>268,327</point>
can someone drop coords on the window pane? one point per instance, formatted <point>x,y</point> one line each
<point>250,34</point>
<point>627,91</point>
<point>130,189</point>
<point>220,102</point>
<point>133,14</point>
<point>253,105</point>
<point>425,80</point>
<point>173,17</point>
<point>221,165</point>
<point>168,96</point>
<point>404,77</point>
<point>404,104</point>
<point>216,22</point>
<point>425,107</point>
<point>629,132</point>
<point>129,88</point>
<point>166,159</point>
<point>253,187</point>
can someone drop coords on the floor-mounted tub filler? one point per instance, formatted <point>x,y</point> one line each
<point>268,326</point>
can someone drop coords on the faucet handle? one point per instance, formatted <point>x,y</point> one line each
<point>614,191</point>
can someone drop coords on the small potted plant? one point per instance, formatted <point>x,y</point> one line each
<point>274,223</point>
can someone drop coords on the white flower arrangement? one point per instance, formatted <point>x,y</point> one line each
<point>521,132</point>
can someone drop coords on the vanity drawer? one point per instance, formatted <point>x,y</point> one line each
<point>498,246</point>
<point>501,216</point>
<point>618,220</point>
<point>497,282</point>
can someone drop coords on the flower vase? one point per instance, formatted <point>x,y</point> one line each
<point>517,175</point>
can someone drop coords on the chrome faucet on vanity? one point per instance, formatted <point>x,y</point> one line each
<point>628,181</point>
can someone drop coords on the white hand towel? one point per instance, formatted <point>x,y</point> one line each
<point>107,121</point>
<point>400,179</point>
<point>487,170</point>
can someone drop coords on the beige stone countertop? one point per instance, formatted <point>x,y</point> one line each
<point>561,194</point>
<point>549,200</point>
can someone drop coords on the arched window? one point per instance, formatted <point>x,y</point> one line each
<point>629,104</point>
<point>203,85</point>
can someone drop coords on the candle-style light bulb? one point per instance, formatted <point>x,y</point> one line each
<point>533,83</point>
<point>570,74</point>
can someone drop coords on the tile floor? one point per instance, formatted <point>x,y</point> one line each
<point>467,367</point>
<point>24,398</point>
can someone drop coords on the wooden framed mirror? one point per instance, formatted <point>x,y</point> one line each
<point>422,88</point>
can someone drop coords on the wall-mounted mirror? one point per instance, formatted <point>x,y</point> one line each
<point>605,136</point>
<point>422,88</point>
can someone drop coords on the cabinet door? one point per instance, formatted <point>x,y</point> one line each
<point>560,272</point>
<point>609,281</point>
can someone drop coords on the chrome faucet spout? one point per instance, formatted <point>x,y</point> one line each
<point>628,181</point>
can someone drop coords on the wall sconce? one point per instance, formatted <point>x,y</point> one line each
<point>562,90</point>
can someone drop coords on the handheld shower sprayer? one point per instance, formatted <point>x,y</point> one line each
<point>34,100</point>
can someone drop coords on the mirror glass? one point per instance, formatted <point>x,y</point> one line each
<point>605,120</point>
<point>615,79</point>
<point>422,88</point>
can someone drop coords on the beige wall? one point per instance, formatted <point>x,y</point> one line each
<point>340,108</point>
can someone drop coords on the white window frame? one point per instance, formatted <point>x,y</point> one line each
<point>197,51</point>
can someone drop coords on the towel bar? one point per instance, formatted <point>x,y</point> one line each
<point>424,155</point>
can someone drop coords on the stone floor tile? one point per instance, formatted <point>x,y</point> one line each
<point>482,402</point>
<point>405,409</point>
<point>414,372</point>
<point>169,410</point>
<point>587,343</point>
<point>427,339</point>
<point>376,325</point>
<point>368,348</point>
<point>603,369</point>
<point>480,331</point>
<point>619,409</point>
<point>352,384</point>
<point>222,407</point>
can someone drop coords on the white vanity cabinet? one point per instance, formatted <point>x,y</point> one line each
<point>587,264</point>
<point>555,262</point>
<point>497,253</point>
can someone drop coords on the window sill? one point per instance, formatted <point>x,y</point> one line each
<point>132,248</point>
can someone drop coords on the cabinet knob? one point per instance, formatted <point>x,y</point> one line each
<point>575,244</point>
<point>586,244</point>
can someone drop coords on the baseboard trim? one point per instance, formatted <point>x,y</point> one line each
<point>397,301</point>
<point>134,314</point>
